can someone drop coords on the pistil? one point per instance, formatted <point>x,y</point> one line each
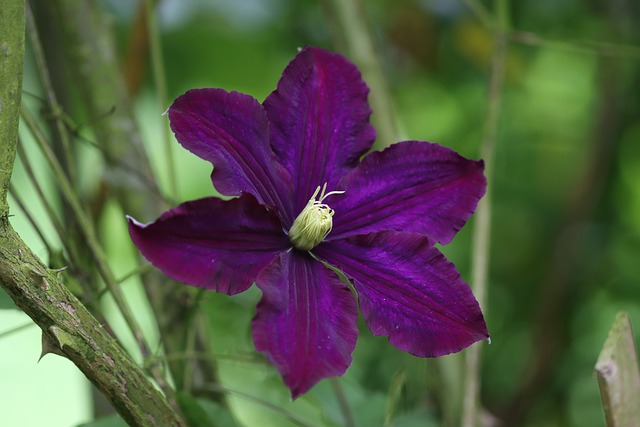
<point>314,223</point>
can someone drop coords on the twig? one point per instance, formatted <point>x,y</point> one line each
<point>347,18</point>
<point>11,331</point>
<point>481,12</point>
<point>29,217</point>
<point>87,230</point>
<point>617,50</point>
<point>262,402</point>
<point>482,228</point>
<point>157,65</point>
<point>341,397</point>
<point>52,100</point>
<point>96,251</point>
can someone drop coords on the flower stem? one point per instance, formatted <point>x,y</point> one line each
<point>347,20</point>
<point>342,402</point>
<point>616,50</point>
<point>157,65</point>
<point>482,229</point>
<point>481,12</point>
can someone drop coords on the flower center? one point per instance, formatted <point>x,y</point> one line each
<point>314,222</point>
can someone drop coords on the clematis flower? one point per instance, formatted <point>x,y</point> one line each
<point>306,207</point>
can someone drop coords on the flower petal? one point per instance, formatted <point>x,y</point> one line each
<point>409,292</point>
<point>306,322</point>
<point>319,120</point>
<point>412,186</point>
<point>212,243</point>
<point>231,130</point>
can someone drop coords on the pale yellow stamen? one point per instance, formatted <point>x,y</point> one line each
<point>314,223</point>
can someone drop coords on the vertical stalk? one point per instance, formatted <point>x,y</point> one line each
<point>157,65</point>
<point>348,20</point>
<point>482,230</point>
<point>55,109</point>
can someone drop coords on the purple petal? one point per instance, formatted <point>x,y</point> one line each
<point>306,322</point>
<point>319,120</point>
<point>411,186</point>
<point>231,130</point>
<point>212,243</point>
<point>409,292</point>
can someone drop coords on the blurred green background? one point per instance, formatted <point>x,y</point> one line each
<point>565,238</point>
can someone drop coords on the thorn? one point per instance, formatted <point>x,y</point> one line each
<point>49,346</point>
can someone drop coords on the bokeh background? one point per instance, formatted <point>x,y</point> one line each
<point>565,203</point>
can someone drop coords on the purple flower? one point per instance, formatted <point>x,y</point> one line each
<point>306,202</point>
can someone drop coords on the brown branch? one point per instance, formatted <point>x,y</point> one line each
<point>71,331</point>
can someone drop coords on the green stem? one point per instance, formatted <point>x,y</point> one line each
<point>25,210</point>
<point>262,402</point>
<point>348,21</point>
<point>341,397</point>
<point>209,355</point>
<point>95,73</point>
<point>482,228</point>
<point>481,12</point>
<point>191,334</point>
<point>141,269</point>
<point>87,230</point>
<point>96,251</point>
<point>16,329</point>
<point>51,213</point>
<point>503,16</point>
<point>157,64</point>
<point>55,109</point>
<point>617,50</point>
